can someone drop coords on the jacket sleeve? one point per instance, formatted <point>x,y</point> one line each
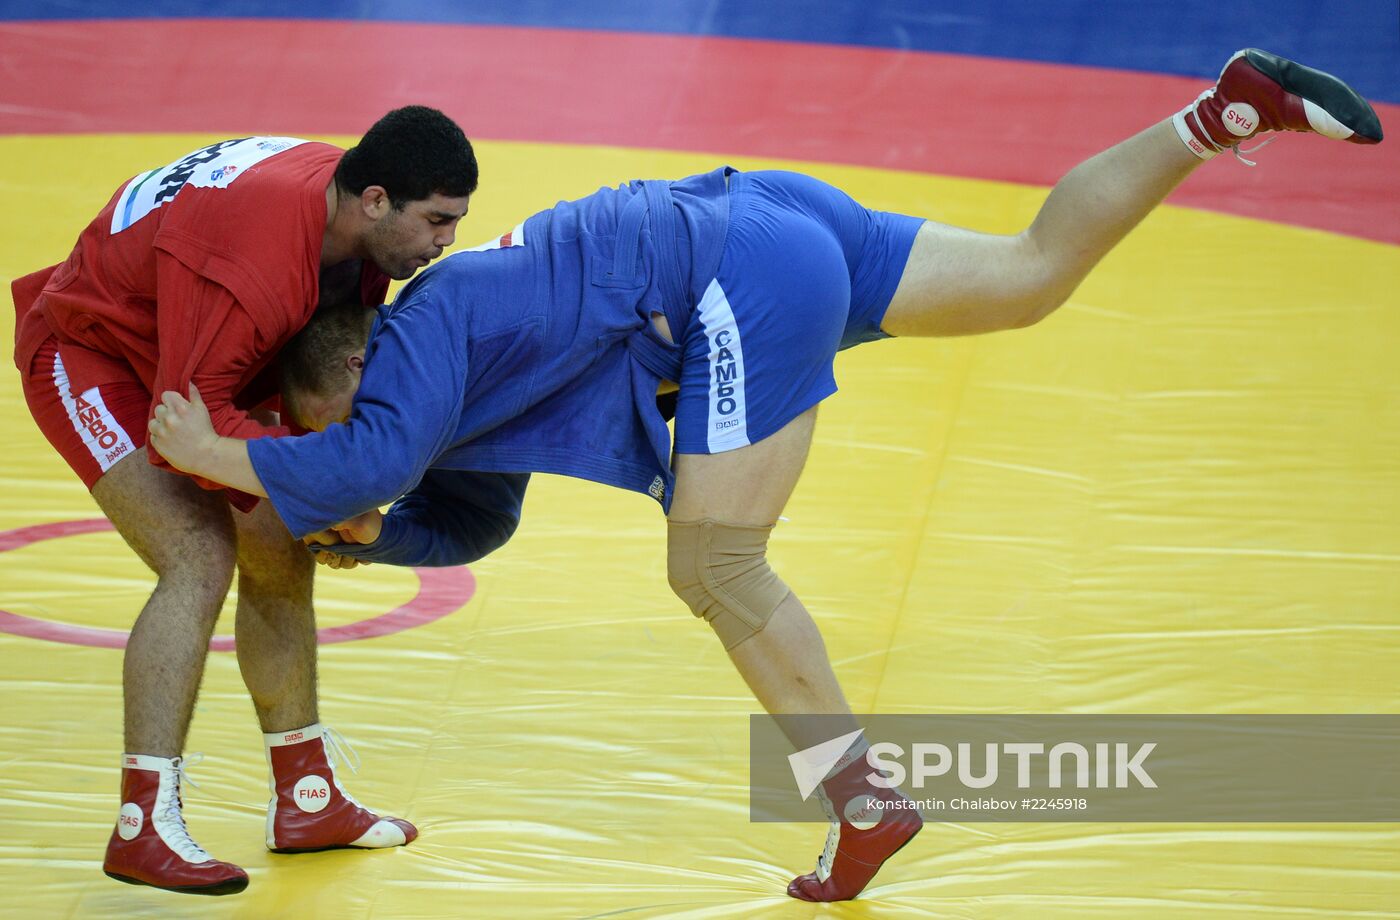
<point>453,517</point>
<point>405,414</point>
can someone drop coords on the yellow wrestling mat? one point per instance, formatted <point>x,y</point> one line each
<point>1181,494</point>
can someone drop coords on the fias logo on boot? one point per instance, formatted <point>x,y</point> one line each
<point>863,812</point>
<point>1240,118</point>
<point>129,820</point>
<point>311,793</point>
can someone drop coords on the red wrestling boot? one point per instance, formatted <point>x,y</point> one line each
<point>150,845</point>
<point>310,810</point>
<point>1258,91</point>
<point>869,824</point>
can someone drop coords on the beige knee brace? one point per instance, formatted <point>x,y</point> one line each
<point>720,570</point>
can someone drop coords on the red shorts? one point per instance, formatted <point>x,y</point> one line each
<point>93,429</point>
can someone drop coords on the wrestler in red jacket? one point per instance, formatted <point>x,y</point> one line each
<point>197,273</point>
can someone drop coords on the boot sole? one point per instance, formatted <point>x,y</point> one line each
<point>232,886</point>
<point>1322,89</point>
<point>332,846</point>
<point>338,846</point>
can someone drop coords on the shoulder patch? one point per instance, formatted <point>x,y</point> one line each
<point>215,166</point>
<point>511,239</point>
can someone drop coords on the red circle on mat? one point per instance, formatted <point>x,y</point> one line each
<point>440,591</point>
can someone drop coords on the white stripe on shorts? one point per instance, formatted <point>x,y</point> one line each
<point>728,426</point>
<point>106,440</point>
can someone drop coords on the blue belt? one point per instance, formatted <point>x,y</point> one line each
<point>657,355</point>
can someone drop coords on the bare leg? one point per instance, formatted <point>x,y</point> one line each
<point>786,665</point>
<point>958,282</point>
<point>276,642</point>
<point>185,535</point>
<point>275,630</point>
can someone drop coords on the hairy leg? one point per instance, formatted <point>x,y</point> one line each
<point>186,536</point>
<point>275,629</point>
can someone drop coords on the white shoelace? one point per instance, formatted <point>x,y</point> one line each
<point>833,838</point>
<point>338,748</point>
<point>173,830</point>
<point>824,861</point>
<point>1239,154</point>
<point>182,764</point>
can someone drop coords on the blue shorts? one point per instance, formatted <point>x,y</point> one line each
<point>806,271</point>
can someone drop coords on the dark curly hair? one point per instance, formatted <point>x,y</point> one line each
<point>412,152</point>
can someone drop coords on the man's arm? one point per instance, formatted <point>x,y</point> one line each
<point>405,414</point>
<point>184,437</point>
<point>453,517</point>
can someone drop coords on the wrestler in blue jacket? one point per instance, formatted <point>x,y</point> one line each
<point>534,353</point>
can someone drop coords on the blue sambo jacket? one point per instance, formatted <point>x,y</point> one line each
<point>534,353</point>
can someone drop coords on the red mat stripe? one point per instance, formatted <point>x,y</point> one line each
<point>945,114</point>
